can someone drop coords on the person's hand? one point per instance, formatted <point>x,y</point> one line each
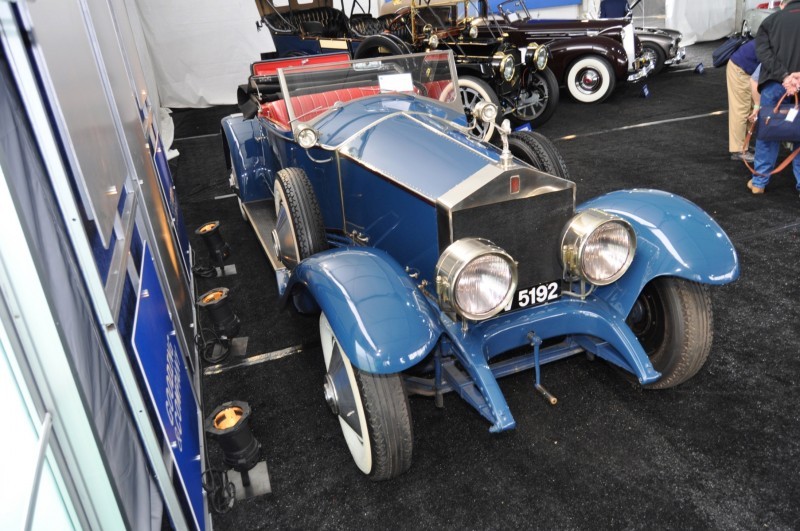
<point>792,83</point>
<point>753,116</point>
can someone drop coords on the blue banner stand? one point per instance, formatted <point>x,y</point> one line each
<point>164,371</point>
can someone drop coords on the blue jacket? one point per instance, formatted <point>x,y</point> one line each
<point>613,8</point>
<point>745,57</point>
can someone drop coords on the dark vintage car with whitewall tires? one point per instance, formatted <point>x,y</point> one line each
<point>590,58</point>
<point>439,263</point>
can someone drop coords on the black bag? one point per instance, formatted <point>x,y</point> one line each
<point>721,55</point>
<point>773,125</point>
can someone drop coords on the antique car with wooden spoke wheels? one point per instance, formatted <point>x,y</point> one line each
<point>489,68</point>
<point>440,263</point>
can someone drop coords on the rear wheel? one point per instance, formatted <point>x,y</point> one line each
<point>538,98</point>
<point>299,231</point>
<point>372,409</point>
<point>674,322</point>
<point>379,46</point>
<point>590,79</point>
<point>538,151</point>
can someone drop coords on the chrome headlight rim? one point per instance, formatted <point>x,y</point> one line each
<point>452,264</point>
<point>540,57</point>
<point>580,231</point>
<point>485,111</point>
<point>472,31</point>
<point>507,68</point>
<point>433,41</point>
<point>307,136</point>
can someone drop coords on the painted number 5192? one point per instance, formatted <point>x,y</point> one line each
<point>536,295</point>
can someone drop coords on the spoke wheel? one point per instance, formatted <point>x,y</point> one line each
<point>538,98</point>
<point>656,55</point>
<point>674,322</point>
<point>473,91</point>
<point>590,79</point>
<point>372,409</point>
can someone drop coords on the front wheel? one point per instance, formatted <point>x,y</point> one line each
<point>538,151</point>
<point>590,79</point>
<point>372,409</point>
<point>674,322</point>
<point>656,56</point>
<point>473,91</point>
<point>538,98</point>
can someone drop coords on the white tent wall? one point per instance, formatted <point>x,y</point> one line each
<point>201,50</point>
<point>701,20</point>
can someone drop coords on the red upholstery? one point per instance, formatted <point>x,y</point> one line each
<point>435,88</point>
<point>308,106</point>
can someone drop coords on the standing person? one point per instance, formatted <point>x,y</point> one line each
<point>778,49</point>
<point>740,67</point>
<point>614,8</point>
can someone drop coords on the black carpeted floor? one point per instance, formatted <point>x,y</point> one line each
<point>722,451</point>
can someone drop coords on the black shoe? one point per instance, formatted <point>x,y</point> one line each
<point>742,156</point>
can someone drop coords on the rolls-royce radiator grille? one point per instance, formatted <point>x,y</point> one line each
<point>529,229</point>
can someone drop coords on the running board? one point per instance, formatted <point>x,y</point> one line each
<point>262,218</point>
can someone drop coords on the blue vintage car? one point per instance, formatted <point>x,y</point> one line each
<point>430,253</point>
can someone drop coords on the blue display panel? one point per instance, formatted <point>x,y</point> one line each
<point>171,201</point>
<point>164,371</point>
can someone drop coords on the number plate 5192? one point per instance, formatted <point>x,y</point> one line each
<point>527,297</point>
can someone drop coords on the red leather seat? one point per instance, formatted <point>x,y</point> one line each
<point>310,105</point>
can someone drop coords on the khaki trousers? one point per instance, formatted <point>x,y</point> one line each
<point>740,103</point>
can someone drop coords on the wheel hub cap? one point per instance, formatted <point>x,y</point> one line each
<point>590,80</point>
<point>330,394</point>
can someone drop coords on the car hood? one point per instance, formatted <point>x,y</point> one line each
<point>407,140</point>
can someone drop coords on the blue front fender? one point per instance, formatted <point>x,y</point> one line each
<point>243,144</point>
<point>381,319</point>
<point>674,238</point>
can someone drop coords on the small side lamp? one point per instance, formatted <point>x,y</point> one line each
<point>217,305</point>
<point>218,248</point>
<point>228,424</point>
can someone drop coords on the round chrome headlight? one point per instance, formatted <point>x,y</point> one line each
<point>507,67</point>
<point>540,57</point>
<point>306,137</point>
<point>433,42</point>
<point>485,111</point>
<point>537,56</point>
<point>473,32</point>
<point>597,247</point>
<point>475,279</point>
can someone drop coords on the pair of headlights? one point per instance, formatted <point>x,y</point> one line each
<point>477,279</point>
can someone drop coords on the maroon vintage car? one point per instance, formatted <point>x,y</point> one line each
<point>588,57</point>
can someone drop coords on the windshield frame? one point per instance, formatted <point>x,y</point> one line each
<point>287,75</point>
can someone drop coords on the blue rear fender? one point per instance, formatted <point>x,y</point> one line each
<point>382,321</point>
<point>674,237</point>
<point>243,143</point>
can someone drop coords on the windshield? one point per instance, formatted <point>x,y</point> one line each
<point>309,91</point>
